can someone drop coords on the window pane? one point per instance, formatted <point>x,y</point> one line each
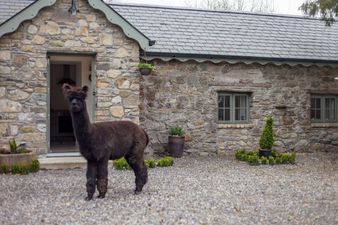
<point>221,114</point>
<point>316,108</point>
<point>221,101</point>
<point>240,107</point>
<point>227,101</point>
<point>330,109</point>
<point>227,115</point>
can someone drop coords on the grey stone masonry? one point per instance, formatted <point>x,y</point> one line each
<point>185,94</point>
<point>23,70</point>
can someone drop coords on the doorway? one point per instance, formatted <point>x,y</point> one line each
<point>76,70</point>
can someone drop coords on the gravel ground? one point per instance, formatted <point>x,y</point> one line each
<point>212,190</point>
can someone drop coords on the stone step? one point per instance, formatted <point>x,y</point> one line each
<point>59,163</point>
<point>54,163</point>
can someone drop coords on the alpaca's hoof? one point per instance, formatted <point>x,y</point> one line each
<point>101,196</point>
<point>136,192</point>
<point>88,198</point>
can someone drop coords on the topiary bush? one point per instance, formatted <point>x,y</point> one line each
<point>122,164</point>
<point>272,160</point>
<point>252,157</point>
<point>264,160</point>
<point>150,163</point>
<point>267,138</point>
<point>166,161</point>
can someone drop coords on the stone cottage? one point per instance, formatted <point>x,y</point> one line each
<point>218,74</point>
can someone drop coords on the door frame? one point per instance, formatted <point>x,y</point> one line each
<point>93,88</point>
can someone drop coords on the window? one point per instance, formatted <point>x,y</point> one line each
<point>324,108</point>
<point>233,107</point>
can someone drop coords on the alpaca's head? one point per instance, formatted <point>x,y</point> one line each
<point>75,97</point>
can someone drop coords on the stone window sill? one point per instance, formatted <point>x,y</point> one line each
<point>236,126</point>
<point>324,125</point>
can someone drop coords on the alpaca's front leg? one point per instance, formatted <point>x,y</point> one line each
<point>91,179</point>
<point>102,177</point>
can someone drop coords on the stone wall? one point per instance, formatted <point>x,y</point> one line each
<point>23,70</point>
<point>185,94</point>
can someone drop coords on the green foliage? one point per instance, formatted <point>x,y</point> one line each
<point>267,138</point>
<point>276,158</point>
<point>18,169</point>
<point>166,161</point>
<point>176,131</point>
<point>4,169</point>
<point>35,166</point>
<point>146,66</point>
<point>327,9</point>
<point>121,164</point>
<point>253,160</point>
<point>239,154</point>
<point>264,160</point>
<point>150,163</point>
<point>273,153</point>
<point>15,149</point>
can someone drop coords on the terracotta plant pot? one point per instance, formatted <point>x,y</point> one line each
<point>175,146</point>
<point>264,152</point>
<point>145,71</point>
<point>23,159</point>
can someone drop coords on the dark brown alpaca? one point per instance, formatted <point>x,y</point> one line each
<point>102,141</point>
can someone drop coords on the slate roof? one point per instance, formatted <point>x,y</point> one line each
<point>232,34</point>
<point>193,33</point>
<point>9,8</point>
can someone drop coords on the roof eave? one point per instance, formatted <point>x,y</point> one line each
<point>27,13</point>
<point>33,9</point>
<point>237,59</point>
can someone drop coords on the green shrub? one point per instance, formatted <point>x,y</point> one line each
<point>253,160</point>
<point>284,158</point>
<point>274,153</point>
<point>121,164</point>
<point>35,166</point>
<point>292,159</point>
<point>239,153</point>
<point>176,131</point>
<point>15,149</point>
<point>267,138</point>
<point>146,66</point>
<point>278,160</point>
<point>272,160</point>
<point>166,161</point>
<point>150,163</point>
<point>16,169</point>
<point>264,160</point>
<point>4,169</point>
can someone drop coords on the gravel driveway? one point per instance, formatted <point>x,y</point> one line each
<point>211,190</point>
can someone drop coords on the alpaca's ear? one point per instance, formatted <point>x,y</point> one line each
<point>85,89</point>
<point>65,88</point>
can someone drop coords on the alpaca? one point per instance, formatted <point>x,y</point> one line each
<point>103,141</point>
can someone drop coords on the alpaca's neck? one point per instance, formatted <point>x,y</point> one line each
<point>81,124</point>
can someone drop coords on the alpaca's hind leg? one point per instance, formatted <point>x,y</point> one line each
<point>136,162</point>
<point>91,179</point>
<point>102,178</point>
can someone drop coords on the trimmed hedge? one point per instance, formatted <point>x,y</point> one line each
<point>122,164</point>
<point>275,158</point>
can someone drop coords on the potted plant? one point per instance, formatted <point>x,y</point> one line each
<point>17,159</point>
<point>267,139</point>
<point>176,142</point>
<point>145,68</point>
